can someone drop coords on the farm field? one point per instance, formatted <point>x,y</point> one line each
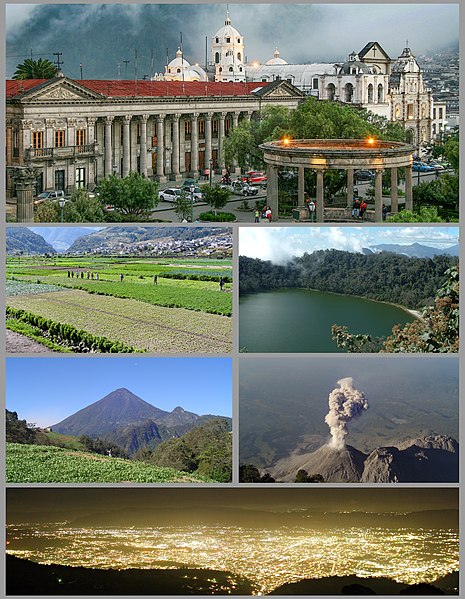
<point>185,311</point>
<point>49,464</point>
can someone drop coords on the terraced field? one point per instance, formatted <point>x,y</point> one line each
<point>49,464</point>
<point>185,311</point>
<point>147,327</point>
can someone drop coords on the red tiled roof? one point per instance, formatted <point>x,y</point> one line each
<point>15,87</point>
<point>131,89</point>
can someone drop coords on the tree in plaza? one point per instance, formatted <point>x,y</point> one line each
<point>241,146</point>
<point>35,69</point>
<point>183,206</point>
<point>424,214</point>
<point>47,212</point>
<point>217,197</point>
<point>83,209</point>
<point>131,195</point>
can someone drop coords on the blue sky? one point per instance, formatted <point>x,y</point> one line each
<point>279,244</point>
<point>46,390</point>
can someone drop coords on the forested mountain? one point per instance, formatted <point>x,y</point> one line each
<point>411,282</point>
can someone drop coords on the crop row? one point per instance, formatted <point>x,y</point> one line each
<point>49,464</point>
<point>203,296</point>
<point>134,323</point>
<point>76,339</point>
<point>14,287</point>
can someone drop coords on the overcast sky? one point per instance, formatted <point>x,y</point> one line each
<point>279,244</point>
<point>99,36</point>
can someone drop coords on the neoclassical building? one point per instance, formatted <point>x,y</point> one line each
<point>76,132</point>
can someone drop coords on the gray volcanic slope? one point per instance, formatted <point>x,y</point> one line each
<point>427,459</point>
<point>117,409</point>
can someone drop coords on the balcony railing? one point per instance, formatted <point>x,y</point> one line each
<point>61,153</point>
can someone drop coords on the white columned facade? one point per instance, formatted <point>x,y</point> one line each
<point>108,146</point>
<point>161,148</point>
<point>126,145</point>
<point>143,144</point>
<point>195,145</point>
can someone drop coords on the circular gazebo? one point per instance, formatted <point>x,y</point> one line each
<point>339,154</point>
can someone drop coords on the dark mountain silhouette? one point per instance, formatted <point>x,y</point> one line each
<point>426,459</point>
<point>125,419</point>
<point>23,240</point>
<point>117,409</point>
<point>28,578</point>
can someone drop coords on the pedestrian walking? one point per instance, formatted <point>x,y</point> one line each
<point>121,277</point>
<point>155,279</point>
<point>257,216</point>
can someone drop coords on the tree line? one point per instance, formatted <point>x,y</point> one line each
<point>387,277</point>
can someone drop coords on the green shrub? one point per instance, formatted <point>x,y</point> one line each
<point>220,217</point>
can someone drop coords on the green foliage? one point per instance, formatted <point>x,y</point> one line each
<point>49,464</point>
<point>248,473</point>
<point>131,195</point>
<point>206,450</point>
<point>18,431</point>
<point>47,212</point>
<point>83,209</point>
<point>302,476</point>
<point>215,196</point>
<point>35,69</point>
<point>442,193</point>
<point>424,214</point>
<point>78,340</point>
<point>183,207</point>
<point>102,447</point>
<point>23,328</point>
<point>218,217</point>
<point>241,145</point>
<point>436,332</point>
<point>387,277</point>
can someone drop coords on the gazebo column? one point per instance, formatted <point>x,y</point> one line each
<point>394,197</point>
<point>408,188</point>
<point>378,196</point>
<point>301,187</point>
<point>350,187</point>
<point>272,191</point>
<point>319,196</point>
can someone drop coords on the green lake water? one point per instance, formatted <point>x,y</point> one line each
<point>300,320</point>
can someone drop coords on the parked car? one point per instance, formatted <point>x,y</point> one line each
<point>422,167</point>
<point>363,176</point>
<point>170,195</point>
<point>48,195</point>
<point>436,165</point>
<point>198,195</point>
<point>243,189</point>
<point>254,177</point>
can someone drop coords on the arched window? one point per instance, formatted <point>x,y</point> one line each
<point>348,92</point>
<point>220,69</point>
<point>330,91</point>
<point>370,94</point>
<point>228,40</point>
<point>380,94</point>
<point>178,70</point>
<point>217,40</point>
<point>217,57</point>
<point>230,69</point>
<point>409,136</point>
<point>239,56</point>
<point>240,69</point>
<point>238,40</point>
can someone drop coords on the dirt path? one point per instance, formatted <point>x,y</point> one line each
<point>20,344</point>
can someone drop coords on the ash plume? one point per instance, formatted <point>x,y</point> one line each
<point>345,404</point>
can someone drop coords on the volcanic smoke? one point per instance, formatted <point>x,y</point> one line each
<point>345,404</point>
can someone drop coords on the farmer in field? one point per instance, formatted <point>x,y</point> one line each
<point>221,283</point>
<point>121,277</point>
<point>155,279</point>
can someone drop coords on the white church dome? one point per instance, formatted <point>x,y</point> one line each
<point>178,62</point>
<point>228,32</point>
<point>276,59</point>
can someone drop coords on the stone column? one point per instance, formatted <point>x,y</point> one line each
<point>91,138</point>
<point>408,188</point>
<point>208,138</point>
<point>143,144</point>
<point>175,155</point>
<point>195,145</point>
<point>25,182</point>
<point>320,196</point>
<point>49,142</point>
<point>108,146</point>
<point>378,195</point>
<point>71,132</point>
<point>235,123</point>
<point>350,187</point>
<point>221,163</point>
<point>182,146</point>
<point>160,147</point>
<point>301,187</point>
<point>126,145</point>
<point>394,198</point>
<point>272,191</point>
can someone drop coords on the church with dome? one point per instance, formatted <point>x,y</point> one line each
<point>370,79</point>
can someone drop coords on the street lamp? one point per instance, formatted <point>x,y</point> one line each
<point>62,205</point>
<point>192,189</point>
<point>211,169</point>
